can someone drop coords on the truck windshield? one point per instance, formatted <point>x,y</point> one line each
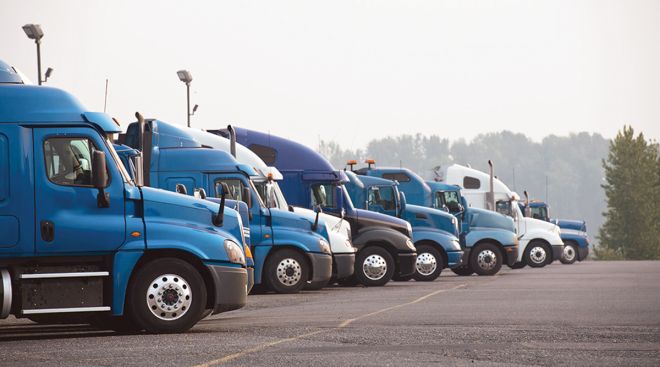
<point>504,207</point>
<point>540,212</point>
<point>277,199</point>
<point>382,196</point>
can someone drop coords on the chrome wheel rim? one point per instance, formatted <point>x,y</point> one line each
<point>486,259</point>
<point>426,263</point>
<point>374,267</point>
<point>569,253</point>
<point>289,272</point>
<point>538,254</point>
<point>169,297</point>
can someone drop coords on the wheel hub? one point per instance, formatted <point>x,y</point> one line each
<point>289,272</point>
<point>374,267</point>
<point>569,253</point>
<point>426,263</point>
<point>537,255</point>
<point>486,259</point>
<point>169,297</point>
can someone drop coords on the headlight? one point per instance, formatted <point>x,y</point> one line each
<point>234,252</point>
<point>324,246</point>
<point>410,244</point>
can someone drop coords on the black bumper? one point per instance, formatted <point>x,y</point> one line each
<point>230,285</point>
<point>405,263</point>
<point>557,252</point>
<point>511,255</point>
<point>321,267</point>
<point>582,252</point>
<point>466,256</point>
<point>343,265</point>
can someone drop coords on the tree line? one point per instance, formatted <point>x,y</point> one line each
<point>579,176</point>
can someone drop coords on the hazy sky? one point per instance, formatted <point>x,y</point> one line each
<point>350,71</point>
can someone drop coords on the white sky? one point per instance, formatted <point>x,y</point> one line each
<point>350,71</point>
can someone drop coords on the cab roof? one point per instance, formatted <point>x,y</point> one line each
<point>44,105</point>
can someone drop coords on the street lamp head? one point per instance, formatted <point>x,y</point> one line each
<point>195,109</point>
<point>49,72</point>
<point>33,31</point>
<point>184,76</point>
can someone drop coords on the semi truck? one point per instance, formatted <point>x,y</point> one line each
<point>573,232</point>
<point>290,249</point>
<point>81,238</point>
<point>488,239</point>
<point>435,233</point>
<point>384,243</point>
<point>540,242</point>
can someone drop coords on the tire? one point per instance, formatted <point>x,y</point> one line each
<point>486,259</point>
<point>569,255</point>
<point>287,271</point>
<point>463,271</point>
<point>315,286</point>
<point>398,278</point>
<point>537,254</point>
<point>175,279</point>
<point>518,265</point>
<point>374,266</point>
<point>429,263</point>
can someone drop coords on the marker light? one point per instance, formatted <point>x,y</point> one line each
<point>370,161</point>
<point>351,162</point>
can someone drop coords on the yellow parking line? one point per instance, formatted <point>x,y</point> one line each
<point>343,324</point>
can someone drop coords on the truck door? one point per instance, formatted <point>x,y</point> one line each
<point>68,218</point>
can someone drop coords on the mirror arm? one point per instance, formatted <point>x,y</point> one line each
<point>219,219</point>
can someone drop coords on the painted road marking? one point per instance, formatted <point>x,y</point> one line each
<point>343,324</point>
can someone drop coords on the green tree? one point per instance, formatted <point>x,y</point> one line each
<point>632,188</point>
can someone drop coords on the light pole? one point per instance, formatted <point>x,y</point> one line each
<point>186,77</point>
<point>34,32</point>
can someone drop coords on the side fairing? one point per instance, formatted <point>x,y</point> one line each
<point>448,241</point>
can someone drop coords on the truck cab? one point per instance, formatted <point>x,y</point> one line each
<point>80,237</point>
<point>487,238</point>
<point>573,232</point>
<point>289,249</point>
<point>385,248</point>
<point>540,241</point>
<point>434,232</point>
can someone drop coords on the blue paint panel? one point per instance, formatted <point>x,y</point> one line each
<point>4,168</point>
<point>9,231</point>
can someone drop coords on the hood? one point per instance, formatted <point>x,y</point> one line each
<point>338,230</point>
<point>578,225</point>
<point>196,214</point>
<point>541,225</point>
<point>297,221</point>
<point>421,216</point>
<point>366,217</point>
<point>482,218</point>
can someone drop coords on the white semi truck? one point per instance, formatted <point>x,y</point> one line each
<point>540,241</point>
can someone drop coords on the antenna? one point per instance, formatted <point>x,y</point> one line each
<point>105,100</point>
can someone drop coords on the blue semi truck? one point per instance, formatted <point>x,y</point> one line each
<point>385,247</point>
<point>289,249</point>
<point>489,238</point>
<point>80,237</point>
<point>435,233</point>
<point>573,232</point>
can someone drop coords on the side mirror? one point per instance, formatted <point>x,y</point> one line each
<point>202,193</point>
<point>219,219</point>
<point>403,202</point>
<point>269,195</point>
<point>181,189</point>
<point>318,210</point>
<point>291,208</point>
<point>339,198</point>
<point>100,178</point>
<point>248,200</point>
<point>138,176</point>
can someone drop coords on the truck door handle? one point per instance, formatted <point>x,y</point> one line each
<point>47,230</point>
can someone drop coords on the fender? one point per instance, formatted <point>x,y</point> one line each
<point>385,235</point>
<point>575,236</point>
<point>445,240</point>
<point>477,234</point>
<point>550,237</point>
<point>123,265</point>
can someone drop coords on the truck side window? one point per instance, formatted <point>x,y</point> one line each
<point>69,161</point>
<point>400,177</point>
<point>452,200</point>
<point>235,189</point>
<point>323,194</point>
<point>471,182</point>
<point>383,196</point>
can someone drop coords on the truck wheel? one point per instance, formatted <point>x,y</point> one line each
<point>286,271</point>
<point>569,255</point>
<point>463,271</point>
<point>429,263</point>
<point>374,266</point>
<point>166,296</point>
<point>537,254</point>
<point>486,259</point>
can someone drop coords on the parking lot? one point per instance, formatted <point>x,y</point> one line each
<point>591,313</point>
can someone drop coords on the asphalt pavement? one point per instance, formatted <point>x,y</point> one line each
<point>588,314</point>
